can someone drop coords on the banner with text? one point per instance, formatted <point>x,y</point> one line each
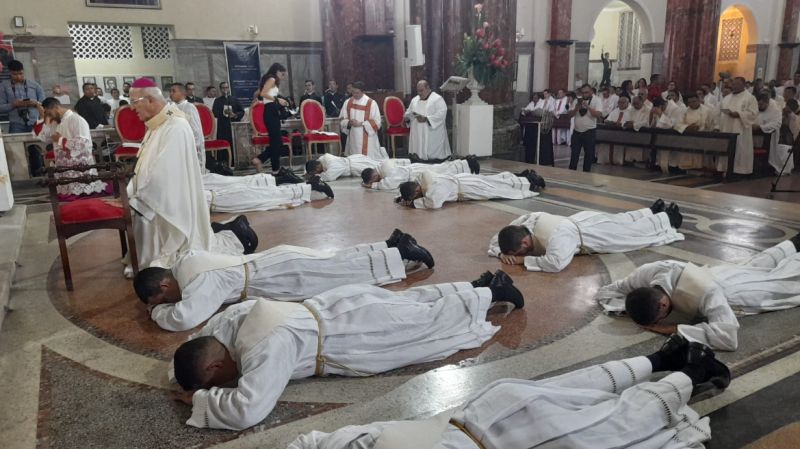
<point>244,70</point>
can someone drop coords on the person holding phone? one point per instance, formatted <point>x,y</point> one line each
<point>19,98</point>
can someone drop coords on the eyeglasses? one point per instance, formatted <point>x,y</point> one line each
<point>134,101</point>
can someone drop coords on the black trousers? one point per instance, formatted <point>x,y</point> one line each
<point>273,121</point>
<point>585,141</point>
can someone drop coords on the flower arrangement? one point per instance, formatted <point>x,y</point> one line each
<point>483,56</point>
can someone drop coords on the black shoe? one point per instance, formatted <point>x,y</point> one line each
<point>484,280</point>
<point>474,165</point>
<point>675,216</point>
<point>286,176</point>
<point>393,239</point>
<point>503,289</point>
<point>536,181</point>
<point>658,206</point>
<point>414,158</point>
<point>672,355</point>
<point>796,241</point>
<point>240,227</point>
<point>413,252</point>
<point>319,186</point>
<point>707,373</point>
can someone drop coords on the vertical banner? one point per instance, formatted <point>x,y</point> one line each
<point>244,70</point>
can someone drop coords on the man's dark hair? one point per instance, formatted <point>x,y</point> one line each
<point>87,84</point>
<point>762,97</point>
<point>642,305</point>
<point>147,282</point>
<point>654,77</point>
<point>123,103</point>
<point>312,166</point>
<point>625,95</point>
<point>106,107</point>
<point>691,95</point>
<point>126,84</point>
<point>224,82</point>
<point>791,89</point>
<point>366,175</point>
<point>50,102</point>
<point>510,238</point>
<point>358,85</point>
<point>188,84</point>
<point>180,86</point>
<point>15,66</point>
<point>309,81</point>
<point>188,361</point>
<point>585,85</point>
<point>658,102</point>
<point>741,78</point>
<point>408,190</point>
<point>793,105</point>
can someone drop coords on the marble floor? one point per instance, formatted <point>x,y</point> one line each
<point>88,368</point>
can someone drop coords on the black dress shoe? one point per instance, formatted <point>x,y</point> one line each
<point>483,280</point>
<point>319,186</point>
<point>658,206</point>
<point>503,289</point>
<point>286,176</point>
<point>413,252</point>
<point>240,227</point>
<point>414,158</point>
<point>536,181</point>
<point>675,216</point>
<point>673,353</point>
<point>393,239</point>
<point>796,241</point>
<point>707,373</point>
<point>474,165</point>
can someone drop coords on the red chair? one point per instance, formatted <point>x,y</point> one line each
<point>80,216</point>
<point>209,124</point>
<point>395,111</point>
<point>313,116</point>
<point>131,130</point>
<point>260,138</point>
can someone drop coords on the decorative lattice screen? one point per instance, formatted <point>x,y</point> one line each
<point>730,39</point>
<point>630,42</point>
<point>155,41</point>
<point>101,41</point>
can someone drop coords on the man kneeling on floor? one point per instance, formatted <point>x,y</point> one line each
<point>353,330</point>
<point>546,242</point>
<point>612,405</point>
<point>200,282</point>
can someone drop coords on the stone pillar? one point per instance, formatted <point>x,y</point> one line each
<point>788,45</point>
<point>560,31</point>
<point>689,55</point>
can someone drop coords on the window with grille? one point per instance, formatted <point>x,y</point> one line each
<point>630,42</point>
<point>91,41</point>
<point>730,41</point>
<point>155,41</point>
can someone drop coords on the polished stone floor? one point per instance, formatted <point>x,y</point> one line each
<point>88,369</point>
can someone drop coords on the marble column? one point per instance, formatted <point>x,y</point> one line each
<point>560,31</point>
<point>788,45</point>
<point>444,23</point>
<point>689,37</point>
<point>502,14</point>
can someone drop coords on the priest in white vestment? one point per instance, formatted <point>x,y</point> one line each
<point>427,117</point>
<point>614,405</point>
<point>353,330</point>
<point>72,145</point>
<point>546,242</point>
<point>177,93</point>
<point>638,118</point>
<point>671,296</point>
<point>389,175</point>
<point>330,167</point>
<point>561,107</point>
<point>618,116</point>
<point>769,121</point>
<point>166,192</point>
<point>431,190</point>
<point>697,117</point>
<point>200,282</point>
<point>361,121</point>
<point>738,112</point>
<point>609,100</point>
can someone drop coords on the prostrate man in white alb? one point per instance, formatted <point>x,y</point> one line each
<point>613,405</point>
<point>738,112</point>
<point>431,190</point>
<point>389,175</point>
<point>166,192</point>
<point>671,296</point>
<point>200,283</point>
<point>427,115</point>
<point>262,192</point>
<point>546,242</point>
<point>353,330</point>
<point>330,167</point>
<point>361,120</point>
<point>177,93</point>
<point>769,121</point>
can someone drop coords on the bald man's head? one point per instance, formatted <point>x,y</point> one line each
<point>423,89</point>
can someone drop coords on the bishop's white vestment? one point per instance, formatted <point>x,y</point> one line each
<point>428,139</point>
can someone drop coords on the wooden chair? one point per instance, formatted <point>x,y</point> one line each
<point>76,217</point>
<point>260,138</point>
<point>394,110</point>
<point>131,130</point>
<point>313,116</point>
<point>209,124</point>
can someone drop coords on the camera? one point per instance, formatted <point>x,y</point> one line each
<point>24,114</point>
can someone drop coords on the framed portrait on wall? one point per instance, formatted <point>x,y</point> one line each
<point>128,79</point>
<point>141,4</point>
<point>90,79</point>
<point>166,81</point>
<point>109,82</point>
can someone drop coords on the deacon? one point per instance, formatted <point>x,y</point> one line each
<point>166,192</point>
<point>177,93</point>
<point>769,121</point>
<point>664,296</point>
<point>213,181</point>
<point>353,330</point>
<point>72,145</point>
<point>389,175</point>
<point>430,190</point>
<point>360,121</point>
<point>200,282</point>
<point>545,242</point>
<point>738,112</point>
<point>427,115</point>
<point>613,405</point>
<point>239,198</point>
<point>330,167</point>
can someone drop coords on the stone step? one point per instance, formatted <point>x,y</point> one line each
<point>12,231</point>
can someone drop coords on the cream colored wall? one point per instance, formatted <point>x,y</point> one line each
<point>277,20</point>
<point>745,65</point>
<point>606,35</point>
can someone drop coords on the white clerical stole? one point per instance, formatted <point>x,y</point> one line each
<point>690,289</point>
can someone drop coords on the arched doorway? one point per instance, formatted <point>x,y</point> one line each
<point>619,30</point>
<point>736,44</point>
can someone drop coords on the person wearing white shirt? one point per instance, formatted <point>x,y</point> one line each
<point>769,121</point>
<point>586,110</point>
<point>609,100</point>
<point>618,116</point>
<point>177,93</point>
<point>59,95</point>
<point>114,100</point>
<point>561,107</point>
<point>549,101</point>
<point>535,103</point>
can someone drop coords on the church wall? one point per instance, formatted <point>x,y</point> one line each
<point>533,16</point>
<point>768,17</point>
<point>652,13</point>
